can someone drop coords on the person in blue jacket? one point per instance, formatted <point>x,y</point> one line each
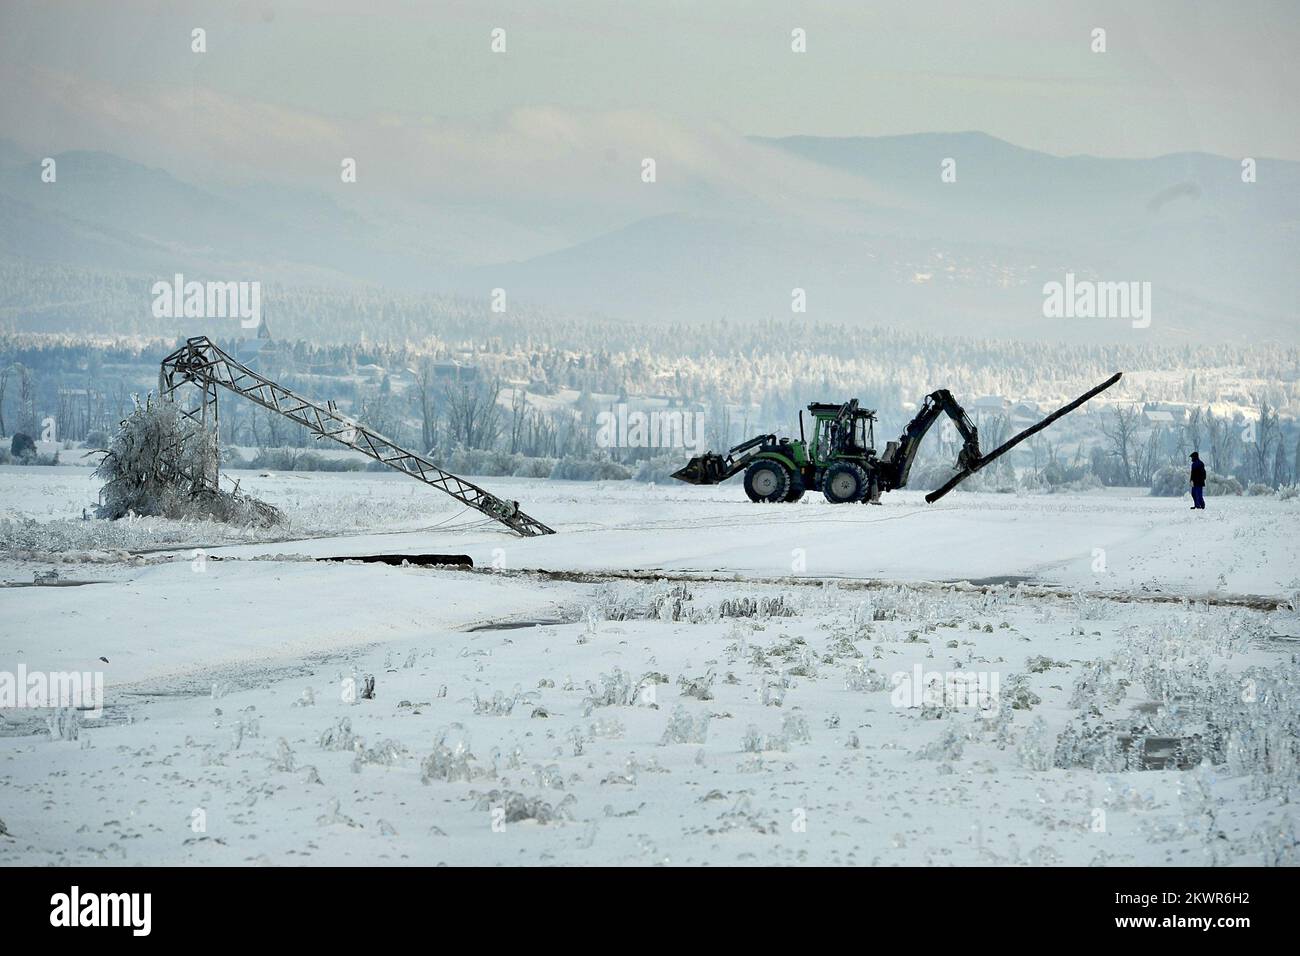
<point>1198,481</point>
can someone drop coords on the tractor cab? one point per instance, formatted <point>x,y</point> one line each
<point>842,431</point>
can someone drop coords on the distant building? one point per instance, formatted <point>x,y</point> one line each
<point>453,371</point>
<point>256,352</point>
<point>1168,413</point>
<point>989,403</point>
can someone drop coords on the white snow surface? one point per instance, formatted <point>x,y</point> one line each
<point>524,718</point>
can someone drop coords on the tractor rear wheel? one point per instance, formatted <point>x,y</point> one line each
<point>767,480</point>
<point>843,482</point>
<point>796,489</point>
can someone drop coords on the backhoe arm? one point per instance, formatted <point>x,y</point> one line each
<point>898,457</point>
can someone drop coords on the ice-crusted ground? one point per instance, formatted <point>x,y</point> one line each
<point>523,719</point>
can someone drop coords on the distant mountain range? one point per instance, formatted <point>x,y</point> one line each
<point>969,256</point>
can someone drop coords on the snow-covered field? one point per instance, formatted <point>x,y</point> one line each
<point>559,704</point>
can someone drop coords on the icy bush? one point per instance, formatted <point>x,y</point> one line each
<point>284,760</point>
<point>861,677</point>
<point>618,689</point>
<point>587,469</point>
<point>794,728</point>
<point>386,753</point>
<point>1170,481</point>
<point>760,607</point>
<point>698,687</point>
<point>333,815</point>
<point>684,729</point>
<point>450,763</point>
<point>516,807</point>
<point>1036,750</point>
<point>64,723</point>
<point>153,467</point>
<point>947,747</point>
<point>607,729</point>
<point>1222,485</point>
<point>675,601</point>
<point>339,736</point>
<point>499,706</point>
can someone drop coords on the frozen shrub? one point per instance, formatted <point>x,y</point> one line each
<point>516,807</point>
<point>1036,750</point>
<point>698,687</point>
<point>1221,485</point>
<point>386,753</point>
<point>794,728</point>
<point>760,607</point>
<point>534,468</point>
<point>298,459</point>
<point>499,706</point>
<point>334,815</point>
<point>451,763</point>
<point>22,446</point>
<point>1170,481</point>
<point>339,737</point>
<point>1018,695</point>
<point>64,723</point>
<point>583,469</point>
<point>684,729</point>
<point>1093,747</point>
<point>774,692</point>
<point>863,678</point>
<point>284,757</point>
<point>618,689</point>
<point>658,470</point>
<point>154,466</point>
<point>948,747</point>
<point>608,729</point>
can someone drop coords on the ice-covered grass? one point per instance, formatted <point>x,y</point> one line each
<point>631,737</point>
<point>1111,541</point>
<point>804,697</point>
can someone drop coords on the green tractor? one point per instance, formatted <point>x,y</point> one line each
<point>840,460</point>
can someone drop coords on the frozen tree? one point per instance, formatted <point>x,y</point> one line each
<point>154,466</point>
<point>1122,435</point>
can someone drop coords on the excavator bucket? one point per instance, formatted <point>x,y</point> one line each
<point>707,469</point>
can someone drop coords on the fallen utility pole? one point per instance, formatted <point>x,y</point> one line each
<point>202,363</point>
<point>974,466</point>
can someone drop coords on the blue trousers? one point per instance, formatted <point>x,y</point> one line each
<point>1198,497</point>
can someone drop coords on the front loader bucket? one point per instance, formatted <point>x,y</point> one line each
<point>707,469</point>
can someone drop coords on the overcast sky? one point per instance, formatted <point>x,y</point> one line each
<point>285,79</point>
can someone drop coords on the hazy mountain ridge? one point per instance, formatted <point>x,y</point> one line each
<point>960,257</point>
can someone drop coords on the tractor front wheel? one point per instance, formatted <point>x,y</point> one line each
<point>767,480</point>
<point>843,482</point>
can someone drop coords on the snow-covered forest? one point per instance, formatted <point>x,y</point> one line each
<point>504,394</point>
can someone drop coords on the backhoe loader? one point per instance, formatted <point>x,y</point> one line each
<point>840,458</point>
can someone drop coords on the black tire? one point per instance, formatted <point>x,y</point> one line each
<point>767,481</point>
<point>844,482</point>
<point>796,489</point>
